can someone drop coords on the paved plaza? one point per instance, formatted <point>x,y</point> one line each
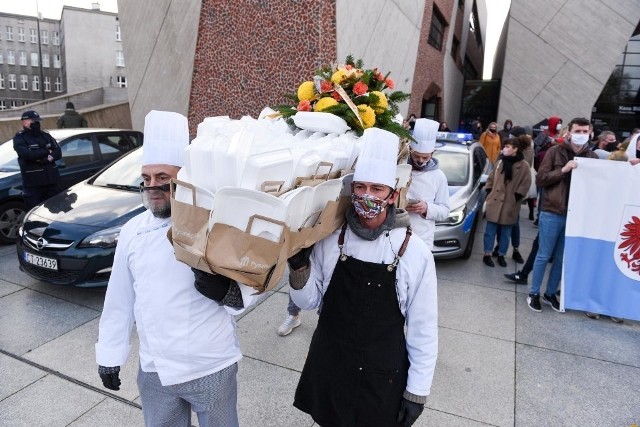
<point>499,363</point>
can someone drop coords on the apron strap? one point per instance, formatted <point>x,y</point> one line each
<point>343,257</point>
<point>403,248</point>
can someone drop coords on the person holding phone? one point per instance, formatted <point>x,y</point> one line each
<point>428,195</point>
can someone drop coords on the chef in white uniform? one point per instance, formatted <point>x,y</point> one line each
<point>428,195</point>
<point>373,280</point>
<point>188,344</point>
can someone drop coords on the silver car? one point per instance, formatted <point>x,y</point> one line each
<point>466,166</point>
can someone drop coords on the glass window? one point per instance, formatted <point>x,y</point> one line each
<point>78,151</point>
<point>8,156</point>
<point>47,84</point>
<point>633,46</point>
<point>11,57</point>
<point>123,172</point>
<point>33,35</point>
<point>12,81</point>
<point>1,81</point>
<point>1,57</point>
<point>13,105</point>
<point>119,58</point>
<point>118,33</point>
<point>23,57</point>
<point>24,82</point>
<point>632,59</point>
<point>58,84</point>
<point>436,31</point>
<point>21,36</point>
<point>55,36</point>
<point>35,83</point>
<point>34,59</point>
<point>3,106</point>
<point>121,81</point>
<point>56,61</point>
<point>9,33</point>
<point>45,60</point>
<point>44,37</point>
<point>113,146</point>
<point>454,165</point>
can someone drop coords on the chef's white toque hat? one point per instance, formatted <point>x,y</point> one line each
<point>424,133</point>
<point>377,161</point>
<point>166,135</point>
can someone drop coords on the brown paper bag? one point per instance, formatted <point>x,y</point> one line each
<point>241,256</point>
<point>189,229</point>
<point>317,178</point>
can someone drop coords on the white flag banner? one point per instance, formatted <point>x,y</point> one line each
<point>602,244</point>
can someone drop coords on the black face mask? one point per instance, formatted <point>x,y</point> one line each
<point>164,187</point>
<point>611,146</point>
<point>34,126</point>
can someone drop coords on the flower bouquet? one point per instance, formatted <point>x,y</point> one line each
<point>352,93</point>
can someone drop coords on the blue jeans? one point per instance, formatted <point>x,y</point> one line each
<point>515,234</point>
<point>490,236</point>
<point>550,244</point>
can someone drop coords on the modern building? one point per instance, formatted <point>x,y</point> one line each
<point>46,58</point>
<point>206,58</point>
<point>30,60</point>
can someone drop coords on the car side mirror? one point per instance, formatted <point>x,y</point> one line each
<point>60,164</point>
<point>483,179</point>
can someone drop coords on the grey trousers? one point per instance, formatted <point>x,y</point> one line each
<point>213,398</point>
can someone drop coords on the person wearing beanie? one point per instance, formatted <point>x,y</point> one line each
<point>506,187</point>
<point>188,344</point>
<point>374,281</point>
<point>506,130</point>
<point>490,141</point>
<point>71,118</point>
<point>428,195</point>
<point>37,154</point>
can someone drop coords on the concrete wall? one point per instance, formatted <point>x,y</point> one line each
<point>159,47</point>
<point>103,116</point>
<point>89,40</point>
<point>559,55</point>
<point>392,45</point>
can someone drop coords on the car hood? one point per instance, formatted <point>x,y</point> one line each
<point>458,195</point>
<point>90,205</point>
<point>6,174</point>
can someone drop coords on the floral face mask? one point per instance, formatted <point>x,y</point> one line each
<point>368,206</point>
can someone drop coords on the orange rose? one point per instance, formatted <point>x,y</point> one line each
<point>304,105</point>
<point>389,82</point>
<point>335,95</point>
<point>360,88</point>
<point>379,76</point>
<point>326,86</point>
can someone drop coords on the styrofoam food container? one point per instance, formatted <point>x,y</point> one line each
<point>274,165</point>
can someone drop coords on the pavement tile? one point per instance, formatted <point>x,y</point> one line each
<point>110,412</point>
<point>476,309</point>
<point>87,297</point>
<point>29,319</point>
<point>21,376</point>
<point>265,395</point>
<point>80,363</point>
<point>474,378</point>
<point>431,418</point>
<point>559,389</point>
<point>7,288</point>
<point>50,401</point>
<point>573,332</point>
<point>259,339</point>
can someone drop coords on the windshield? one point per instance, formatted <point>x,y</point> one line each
<point>455,166</point>
<point>8,157</point>
<point>124,173</point>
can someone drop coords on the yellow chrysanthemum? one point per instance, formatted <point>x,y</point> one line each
<point>367,115</point>
<point>338,76</point>
<point>324,103</point>
<point>306,91</point>
<point>381,105</point>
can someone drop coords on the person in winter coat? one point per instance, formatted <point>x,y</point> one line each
<point>505,131</point>
<point>491,142</point>
<point>374,281</point>
<point>71,118</point>
<point>428,194</point>
<point>554,180</point>
<point>37,154</point>
<point>188,344</point>
<point>506,187</point>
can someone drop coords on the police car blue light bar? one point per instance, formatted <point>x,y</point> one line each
<point>455,136</point>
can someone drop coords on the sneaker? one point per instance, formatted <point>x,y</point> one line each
<point>289,324</point>
<point>552,301</point>
<point>517,257</point>
<point>519,278</point>
<point>501,261</point>
<point>616,319</point>
<point>535,222</point>
<point>488,261</point>
<point>495,252</point>
<point>531,216</point>
<point>533,301</point>
<point>591,315</point>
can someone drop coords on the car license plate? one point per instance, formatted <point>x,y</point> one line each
<point>40,261</point>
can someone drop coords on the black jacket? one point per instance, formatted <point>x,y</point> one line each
<point>33,148</point>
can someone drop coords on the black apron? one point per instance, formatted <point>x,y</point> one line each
<point>357,366</point>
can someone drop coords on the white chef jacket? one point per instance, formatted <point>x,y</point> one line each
<point>416,287</point>
<point>431,187</point>
<point>183,335</point>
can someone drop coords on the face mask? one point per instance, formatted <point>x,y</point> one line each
<point>34,126</point>
<point>492,130</point>
<point>579,138</point>
<point>508,127</point>
<point>368,206</point>
<point>417,165</point>
<point>559,126</point>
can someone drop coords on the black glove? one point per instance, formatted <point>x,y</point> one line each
<point>110,377</point>
<point>301,259</point>
<point>519,197</point>
<point>213,286</point>
<point>409,412</point>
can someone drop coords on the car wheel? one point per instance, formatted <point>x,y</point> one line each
<point>472,236</point>
<point>11,217</point>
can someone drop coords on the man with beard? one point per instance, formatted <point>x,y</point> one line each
<point>188,345</point>
<point>372,280</point>
<point>428,195</point>
<point>37,154</point>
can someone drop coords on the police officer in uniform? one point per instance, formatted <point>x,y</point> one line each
<point>37,154</point>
